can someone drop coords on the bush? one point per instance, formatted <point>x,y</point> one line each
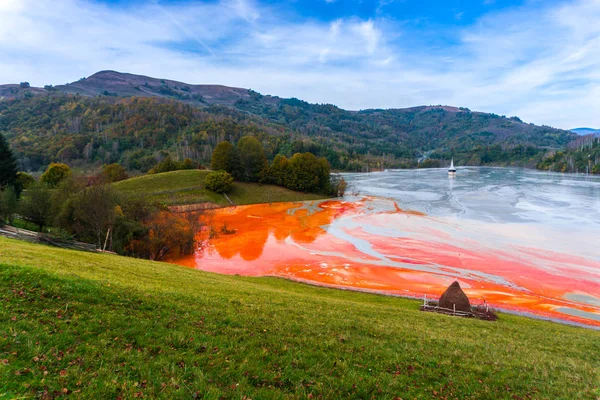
<point>338,186</point>
<point>188,164</point>
<point>219,181</point>
<point>113,173</point>
<point>166,165</point>
<point>55,174</point>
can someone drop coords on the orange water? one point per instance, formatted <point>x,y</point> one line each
<point>373,245</point>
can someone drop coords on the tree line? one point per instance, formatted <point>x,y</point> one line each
<point>137,132</point>
<point>247,162</point>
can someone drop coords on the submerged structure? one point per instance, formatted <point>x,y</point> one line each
<point>452,170</point>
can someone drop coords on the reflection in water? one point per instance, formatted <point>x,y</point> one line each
<point>372,244</point>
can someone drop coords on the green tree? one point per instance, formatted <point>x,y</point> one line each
<point>280,170</point>
<point>24,180</point>
<point>219,181</point>
<point>224,158</point>
<point>8,164</point>
<point>252,158</point>
<point>36,205</point>
<point>8,204</point>
<point>309,173</point>
<point>55,173</point>
<point>113,173</point>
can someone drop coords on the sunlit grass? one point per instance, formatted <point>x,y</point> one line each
<point>187,187</point>
<point>102,326</point>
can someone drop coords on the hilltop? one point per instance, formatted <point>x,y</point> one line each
<point>586,131</point>
<point>104,326</point>
<point>188,187</point>
<point>114,117</point>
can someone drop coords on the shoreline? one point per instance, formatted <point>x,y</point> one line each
<point>382,293</point>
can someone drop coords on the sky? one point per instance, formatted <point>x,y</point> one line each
<point>535,59</point>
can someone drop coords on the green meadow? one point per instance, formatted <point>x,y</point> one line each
<point>187,187</point>
<point>99,326</point>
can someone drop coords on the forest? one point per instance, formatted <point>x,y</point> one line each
<point>582,155</point>
<point>139,132</point>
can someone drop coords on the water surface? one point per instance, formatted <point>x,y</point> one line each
<point>520,240</point>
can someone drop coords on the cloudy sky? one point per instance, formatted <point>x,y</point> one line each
<point>536,59</point>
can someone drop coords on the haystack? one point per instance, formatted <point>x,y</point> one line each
<point>454,296</point>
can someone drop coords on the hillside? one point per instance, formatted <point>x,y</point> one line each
<point>187,187</point>
<point>586,131</point>
<point>103,326</point>
<point>117,117</point>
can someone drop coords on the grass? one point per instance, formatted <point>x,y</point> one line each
<point>187,187</point>
<point>102,326</point>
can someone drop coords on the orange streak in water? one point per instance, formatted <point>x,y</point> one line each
<point>292,240</point>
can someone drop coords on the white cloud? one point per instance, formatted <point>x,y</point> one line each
<point>542,64</point>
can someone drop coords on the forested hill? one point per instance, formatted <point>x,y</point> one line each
<point>136,120</point>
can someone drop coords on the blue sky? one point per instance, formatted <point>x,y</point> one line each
<point>539,60</point>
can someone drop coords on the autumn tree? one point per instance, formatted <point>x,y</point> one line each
<point>8,164</point>
<point>169,236</point>
<point>252,158</point>
<point>55,173</point>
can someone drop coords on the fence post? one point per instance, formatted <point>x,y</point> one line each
<point>454,308</point>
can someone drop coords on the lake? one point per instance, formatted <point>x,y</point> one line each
<point>520,240</point>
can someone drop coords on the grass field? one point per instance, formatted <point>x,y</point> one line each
<point>187,187</point>
<point>101,326</point>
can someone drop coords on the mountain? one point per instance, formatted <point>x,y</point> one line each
<point>135,120</point>
<point>117,84</point>
<point>586,131</point>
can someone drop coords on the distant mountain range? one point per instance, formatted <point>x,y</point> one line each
<point>586,131</point>
<point>120,117</point>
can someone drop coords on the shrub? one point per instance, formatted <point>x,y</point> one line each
<point>166,165</point>
<point>219,181</point>
<point>113,173</point>
<point>188,164</point>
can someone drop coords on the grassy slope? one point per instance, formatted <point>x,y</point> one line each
<point>187,187</point>
<point>105,326</point>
